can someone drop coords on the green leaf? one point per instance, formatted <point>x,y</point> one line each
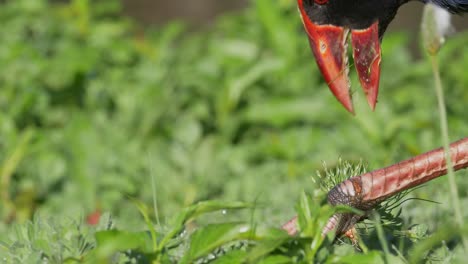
<point>208,238</point>
<point>144,211</point>
<point>233,256</point>
<point>374,257</point>
<point>275,259</point>
<point>417,232</point>
<point>195,210</point>
<point>271,240</point>
<point>112,241</point>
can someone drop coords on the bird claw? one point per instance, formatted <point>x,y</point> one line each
<point>353,236</point>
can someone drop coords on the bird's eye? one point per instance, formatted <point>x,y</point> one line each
<point>321,2</point>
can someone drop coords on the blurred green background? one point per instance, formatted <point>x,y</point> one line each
<point>202,13</point>
<point>95,107</point>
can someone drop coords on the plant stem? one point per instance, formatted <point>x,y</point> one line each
<point>381,236</point>
<point>445,141</point>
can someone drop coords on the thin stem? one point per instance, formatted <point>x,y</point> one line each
<point>381,236</point>
<point>445,139</point>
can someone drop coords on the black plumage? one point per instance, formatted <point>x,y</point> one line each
<point>454,6</point>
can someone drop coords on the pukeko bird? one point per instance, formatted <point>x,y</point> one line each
<point>328,24</point>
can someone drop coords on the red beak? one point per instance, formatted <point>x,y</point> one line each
<point>329,46</point>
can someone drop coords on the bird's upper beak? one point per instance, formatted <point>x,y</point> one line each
<point>329,45</point>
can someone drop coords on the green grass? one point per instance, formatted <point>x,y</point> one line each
<point>97,114</point>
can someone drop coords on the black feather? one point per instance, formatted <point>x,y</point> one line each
<point>453,6</point>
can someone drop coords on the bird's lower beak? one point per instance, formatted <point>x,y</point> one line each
<point>329,45</point>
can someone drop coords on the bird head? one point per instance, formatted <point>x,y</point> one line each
<point>331,24</point>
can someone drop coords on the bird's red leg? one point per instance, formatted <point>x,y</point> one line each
<point>365,191</point>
